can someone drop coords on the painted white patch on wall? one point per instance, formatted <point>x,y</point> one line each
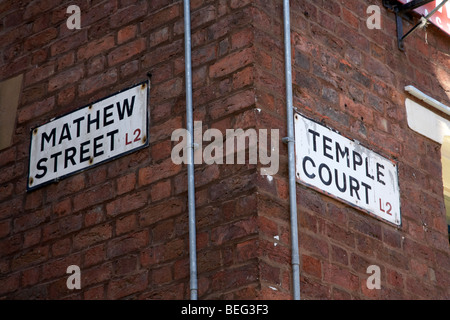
<point>426,122</point>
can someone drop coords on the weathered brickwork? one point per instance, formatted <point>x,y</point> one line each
<point>125,222</point>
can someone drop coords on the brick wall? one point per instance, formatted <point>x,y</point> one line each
<point>125,223</point>
<point>352,79</point>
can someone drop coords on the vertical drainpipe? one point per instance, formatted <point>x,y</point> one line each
<point>291,153</point>
<point>190,152</point>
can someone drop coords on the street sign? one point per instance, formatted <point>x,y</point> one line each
<point>346,170</point>
<point>101,131</point>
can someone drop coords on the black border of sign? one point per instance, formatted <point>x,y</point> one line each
<point>146,144</point>
<point>371,214</point>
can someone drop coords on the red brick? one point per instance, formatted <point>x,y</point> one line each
<point>167,90</point>
<point>159,36</point>
<point>314,245</point>
<point>92,197</point>
<point>340,276</point>
<point>40,40</point>
<point>95,293</point>
<point>96,65</point>
<point>64,78</point>
<point>10,284</point>
<point>66,60</point>
<point>125,265</point>
<point>241,39</point>
<point>11,244</point>
<point>159,212</point>
<point>350,18</point>
<point>161,275</point>
<point>243,78</point>
<point>339,255</point>
<point>362,225</point>
<point>36,7</point>
<point>126,33</point>
<point>341,235</point>
<point>162,53</point>
<point>74,40</point>
<point>233,231</point>
<point>204,54</point>
<point>97,82</point>
<point>66,96</point>
<point>96,47</point>
<point>160,190</point>
<point>62,227</point>
<point>125,224</point>
<point>30,257</point>
<point>58,268</point>
<point>239,3</point>
<point>154,173</point>
<point>30,277</point>
<point>126,51</point>
<point>168,251</point>
<point>5,228</point>
<point>126,203</point>
<point>90,236</point>
<point>29,220</point>
<point>61,247</point>
<point>126,244</point>
<point>202,16</point>
<point>312,266</point>
<point>94,255</point>
<point>231,63</point>
<point>170,292</point>
<point>57,289</point>
<point>128,14</point>
<point>38,74</point>
<point>232,104</point>
<point>234,277</point>
<point>32,237</point>
<point>247,250</point>
<point>96,274</point>
<point>162,231</point>
<point>7,156</point>
<point>62,208</point>
<point>36,109</point>
<point>419,289</point>
<point>129,68</point>
<point>161,150</point>
<point>126,183</point>
<point>161,17</point>
<point>6,190</point>
<point>96,13</point>
<point>34,93</point>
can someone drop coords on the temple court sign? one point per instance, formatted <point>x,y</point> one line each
<point>346,170</point>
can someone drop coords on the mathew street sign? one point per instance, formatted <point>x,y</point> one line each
<point>101,131</point>
<point>344,169</point>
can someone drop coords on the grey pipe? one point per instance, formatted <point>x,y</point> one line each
<point>190,153</point>
<point>291,152</point>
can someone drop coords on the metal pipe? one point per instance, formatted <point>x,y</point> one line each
<point>190,153</point>
<point>291,152</point>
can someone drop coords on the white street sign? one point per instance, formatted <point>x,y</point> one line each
<point>344,169</point>
<point>101,131</point>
